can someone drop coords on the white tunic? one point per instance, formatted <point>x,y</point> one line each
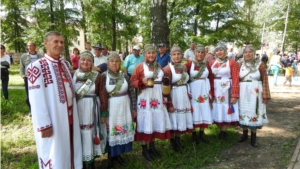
<point>200,97</point>
<point>222,88</point>
<point>121,126</point>
<point>87,116</point>
<point>182,118</point>
<point>152,114</point>
<point>249,93</point>
<point>49,97</point>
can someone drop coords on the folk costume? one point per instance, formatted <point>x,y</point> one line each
<point>53,104</point>
<point>254,87</point>
<point>226,86</point>
<point>93,133</point>
<point>201,93</point>
<point>181,118</point>
<point>152,116</point>
<point>117,98</point>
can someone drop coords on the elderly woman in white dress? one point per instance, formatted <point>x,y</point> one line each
<point>254,94</point>
<point>152,116</point>
<point>179,108</point>
<point>201,92</point>
<point>118,108</point>
<point>226,90</point>
<point>93,132</point>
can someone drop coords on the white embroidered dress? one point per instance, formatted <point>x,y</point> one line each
<point>200,97</point>
<point>121,127</point>
<point>52,101</point>
<point>250,91</point>
<point>88,126</point>
<point>152,115</point>
<point>222,86</point>
<point>181,119</point>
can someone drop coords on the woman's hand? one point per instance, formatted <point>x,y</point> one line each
<point>265,101</point>
<point>133,114</point>
<point>145,80</point>
<point>103,120</point>
<point>233,100</point>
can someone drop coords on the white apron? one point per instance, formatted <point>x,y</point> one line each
<point>250,96</point>
<point>182,118</point>
<point>222,88</point>
<point>121,126</point>
<point>200,97</point>
<point>152,115</point>
<point>87,118</point>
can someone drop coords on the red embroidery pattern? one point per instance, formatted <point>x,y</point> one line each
<point>60,84</point>
<point>68,76</point>
<point>46,72</point>
<point>34,87</point>
<point>33,74</point>
<point>45,165</point>
<point>43,128</point>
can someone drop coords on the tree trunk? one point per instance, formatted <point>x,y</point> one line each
<point>196,20</point>
<point>83,25</point>
<point>159,23</point>
<point>51,16</point>
<point>285,26</point>
<point>113,20</point>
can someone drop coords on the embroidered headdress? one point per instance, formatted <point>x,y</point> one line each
<point>176,48</point>
<point>113,55</point>
<point>87,53</point>
<point>199,47</point>
<point>149,47</point>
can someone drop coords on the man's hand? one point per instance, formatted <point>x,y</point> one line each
<point>47,132</point>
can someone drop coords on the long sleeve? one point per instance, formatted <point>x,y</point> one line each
<point>103,95</point>
<point>131,93</point>
<point>188,65</point>
<point>22,65</point>
<point>265,82</point>
<point>38,96</point>
<point>211,81</point>
<point>234,71</point>
<point>137,77</point>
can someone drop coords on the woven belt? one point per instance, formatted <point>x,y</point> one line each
<point>220,78</point>
<point>119,95</point>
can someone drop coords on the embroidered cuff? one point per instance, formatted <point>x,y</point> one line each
<point>104,114</point>
<point>44,128</point>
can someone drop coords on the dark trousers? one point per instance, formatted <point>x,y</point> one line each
<point>5,87</point>
<point>26,89</point>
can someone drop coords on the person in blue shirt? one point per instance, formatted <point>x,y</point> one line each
<point>132,60</point>
<point>162,57</point>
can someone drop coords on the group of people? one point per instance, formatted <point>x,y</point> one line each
<point>97,108</point>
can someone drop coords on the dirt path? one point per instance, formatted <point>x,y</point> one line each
<point>277,140</point>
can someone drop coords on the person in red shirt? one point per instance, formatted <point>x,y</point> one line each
<point>75,58</point>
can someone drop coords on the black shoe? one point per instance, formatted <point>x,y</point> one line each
<point>92,165</point>
<point>253,140</point>
<point>120,160</point>
<point>146,154</point>
<point>153,151</point>
<point>201,136</point>
<point>177,142</point>
<point>173,145</point>
<point>195,138</point>
<point>110,163</point>
<point>222,135</point>
<point>243,137</point>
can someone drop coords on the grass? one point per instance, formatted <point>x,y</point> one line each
<point>14,76</point>
<point>19,152</point>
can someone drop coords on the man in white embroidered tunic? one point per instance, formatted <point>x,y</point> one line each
<point>54,109</point>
